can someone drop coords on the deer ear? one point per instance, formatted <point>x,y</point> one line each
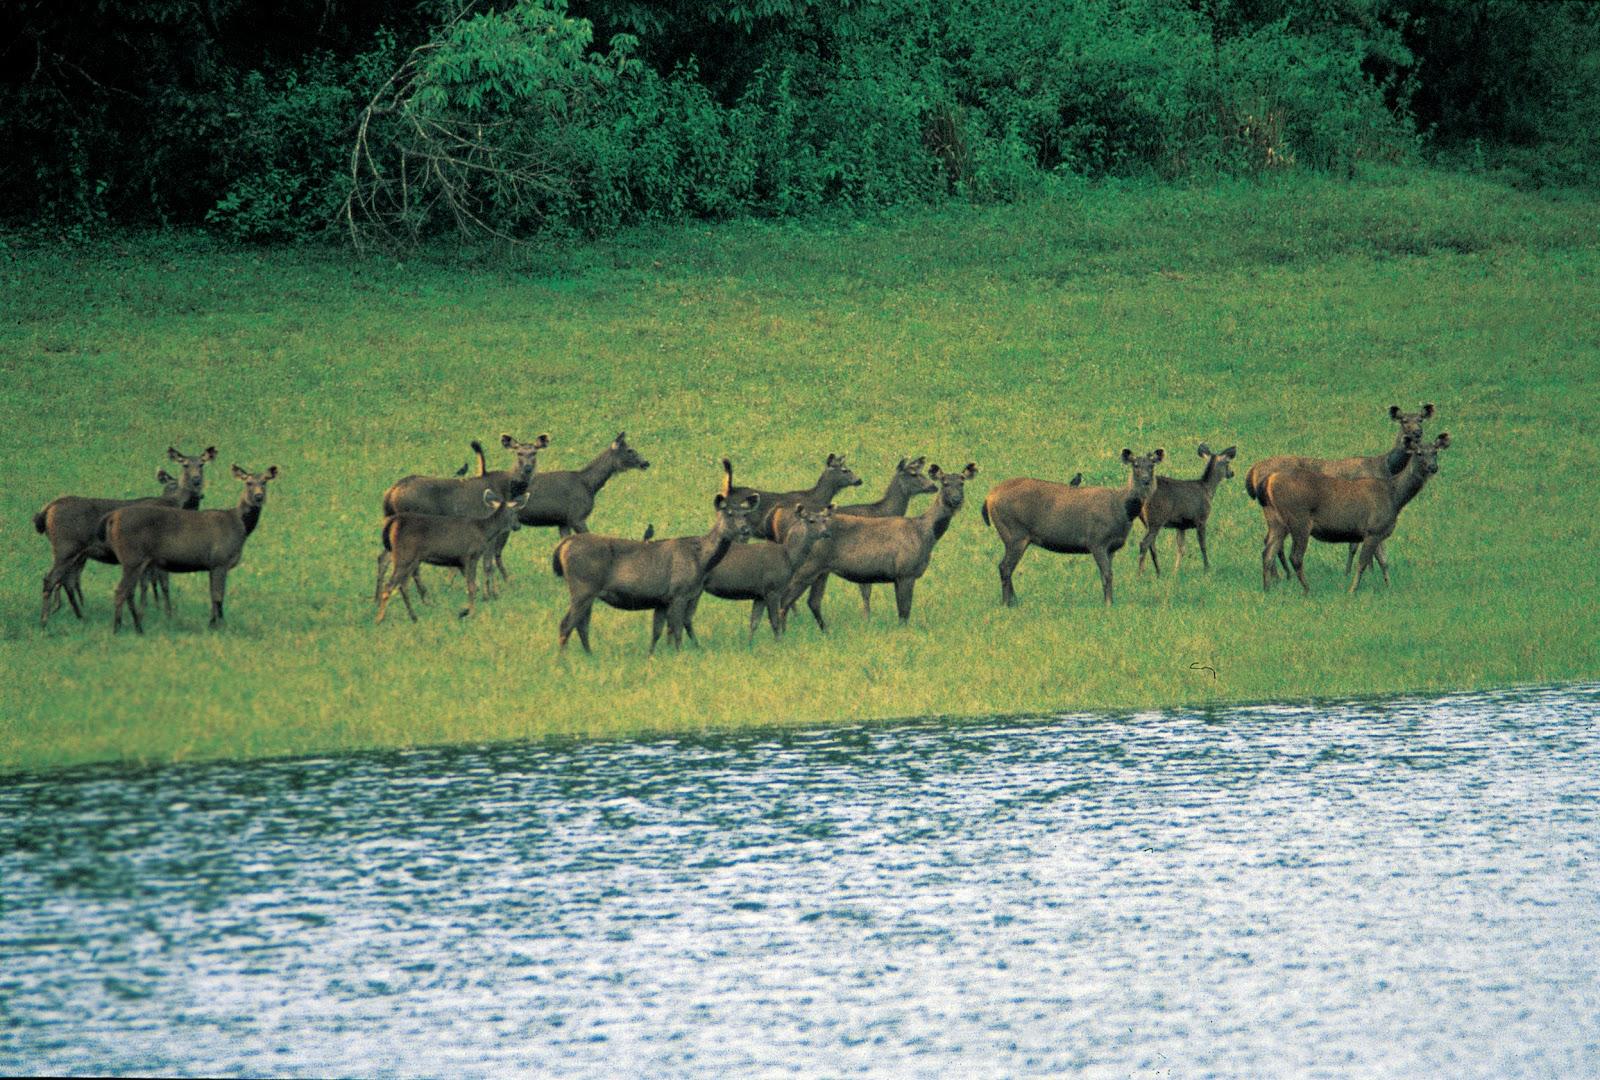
<point>971,470</point>
<point>1394,412</point>
<point>720,501</point>
<point>934,472</point>
<point>164,477</point>
<point>1159,455</point>
<point>173,455</point>
<point>488,496</point>
<point>750,503</point>
<point>541,442</point>
<point>1204,450</point>
<point>506,440</point>
<point>521,500</point>
<point>1230,453</point>
<point>240,474</point>
<point>1443,440</point>
<point>835,459</point>
<point>271,473</point>
<point>620,441</point>
<point>1127,455</point>
<point>902,466</point>
<point>210,454</point>
<point>1427,409</point>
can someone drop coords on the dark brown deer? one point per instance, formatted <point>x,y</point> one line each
<point>761,572</point>
<point>836,476</point>
<point>145,538</point>
<point>661,576</point>
<point>1340,510</point>
<point>1068,520</point>
<point>908,480</point>
<point>1184,505</point>
<point>1376,466</point>
<point>445,540</point>
<point>565,498</point>
<point>879,550</point>
<point>72,524</point>
<point>462,496</point>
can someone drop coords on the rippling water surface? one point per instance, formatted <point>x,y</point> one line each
<point>1404,888</point>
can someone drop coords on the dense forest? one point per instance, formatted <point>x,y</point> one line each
<point>383,121</point>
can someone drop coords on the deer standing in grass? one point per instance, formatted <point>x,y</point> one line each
<point>445,540</point>
<point>762,572</point>
<point>1339,510</point>
<point>1068,520</point>
<point>1184,505</point>
<point>836,476</point>
<point>663,577</point>
<point>72,525</point>
<point>145,538</point>
<point>908,480</point>
<point>881,550</point>
<point>1374,466</point>
<point>565,498</point>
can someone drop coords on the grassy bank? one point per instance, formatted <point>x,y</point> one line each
<point>1033,339</point>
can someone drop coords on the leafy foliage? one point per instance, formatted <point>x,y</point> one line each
<point>517,116</point>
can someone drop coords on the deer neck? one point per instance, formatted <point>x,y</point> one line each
<point>1394,462</point>
<point>1409,482</point>
<point>896,500</point>
<point>595,474</point>
<point>797,544</point>
<point>710,549</point>
<point>823,491</point>
<point>1136,494</point>
<point>1212,476</point>
<point>249,514</point>
<point>936,518</point>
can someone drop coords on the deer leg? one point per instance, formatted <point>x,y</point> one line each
<point>377,590</point>
<point>1147,546</point>
<point>903,588</point>
<point>775,615</point>
<point>1008,564</point>
<point>499,561</point>
<point>471,572</point>
<point>1200,535</point>
<point>1369,548</point>
<point>164,582</point>
<point>577,618</point>
<point>397,581</point>
<point>688,618</point>
<point>1297,557</point>
<point>1383,563</point>
<point>1350,559</point>
<point>1102,559</point>
<point>866,600</point>
<point>814,602</point>
<point>1177,560</point>
<point>658,619</point>
<point>125,587</point>
<point>219,584</point>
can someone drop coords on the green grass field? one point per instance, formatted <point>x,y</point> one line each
<point>1034,339</point>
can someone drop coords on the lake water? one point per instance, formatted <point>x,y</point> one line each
<point>1404,888</point>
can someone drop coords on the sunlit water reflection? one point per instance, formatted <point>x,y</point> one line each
<point>1400,888</point>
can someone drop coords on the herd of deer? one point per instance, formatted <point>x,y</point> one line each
<point>802,537</point>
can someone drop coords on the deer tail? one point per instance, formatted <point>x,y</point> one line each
<point>984,510</point>
<point>38,522</point>
<point>555,559</point>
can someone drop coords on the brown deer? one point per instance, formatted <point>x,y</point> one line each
<point>1068,520</point>
<point>879,550</point>
<point>908,480</point>
<point>1340,510</point>
<point>145,538</point>
<point>565,498</point>
<point>661,576</point>
<point>836,476</point>
<point>72,524</point>
<point>462,496</point>
<point>1184,505</point>
<point>445,540</point>
<point>1376,466</point>
<point>762,572</point>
